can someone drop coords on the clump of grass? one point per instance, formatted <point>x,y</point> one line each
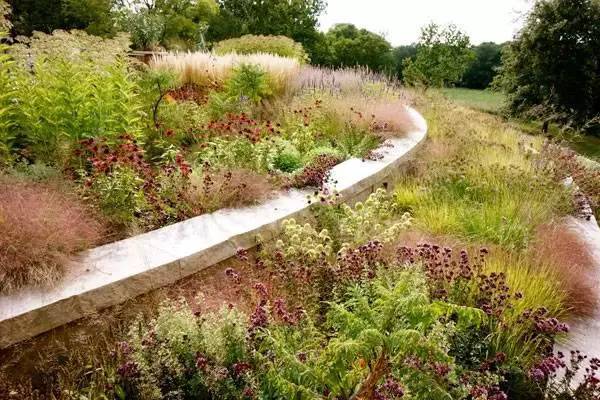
<point>207,69</point>
<point>213,190</point>
<point>41,227</point>
<point>560,249</point>
<point>480,181</point>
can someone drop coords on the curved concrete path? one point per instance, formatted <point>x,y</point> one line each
<point>113,273</point>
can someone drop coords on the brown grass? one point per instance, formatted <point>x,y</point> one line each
<point>214,190</point>
<point>560,248</point>
<point>41,228</point>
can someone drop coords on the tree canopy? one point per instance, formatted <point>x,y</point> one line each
<point>296,19</point>
<point>481,72</point>
<point>443,56</point>
<point>349,46</point>
<point>173,24</point>
<point>95,16</point>
<point>552,68</point>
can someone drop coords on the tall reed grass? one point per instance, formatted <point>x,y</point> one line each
<point>207,69</point>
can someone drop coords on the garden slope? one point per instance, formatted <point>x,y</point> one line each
<point>113,273</point>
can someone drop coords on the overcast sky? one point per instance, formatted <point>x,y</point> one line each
<point>400,20</point>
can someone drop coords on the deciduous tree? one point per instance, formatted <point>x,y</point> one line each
<point>443,56</point>
<point>349,46</point>
<point>552,68</point>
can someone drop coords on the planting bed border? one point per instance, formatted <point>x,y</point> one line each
<point>113,273</point>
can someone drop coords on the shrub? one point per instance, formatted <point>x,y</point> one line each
<point>70,95</point>
<point>249,44</point>
<point>176,354</point>
<point>131,190</point>
<point>288,159</point>
<point>42,228</point>
<point>248,85</point>
<point>384,337</point>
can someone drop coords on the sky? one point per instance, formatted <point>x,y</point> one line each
<point>400,21</point>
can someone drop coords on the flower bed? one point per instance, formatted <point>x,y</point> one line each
<point>142,147</point>
<point>115,272</point>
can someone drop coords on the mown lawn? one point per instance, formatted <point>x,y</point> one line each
<point>483,100</point>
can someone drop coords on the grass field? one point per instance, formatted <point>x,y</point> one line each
<point>483,100</point>
<point>492,102</point>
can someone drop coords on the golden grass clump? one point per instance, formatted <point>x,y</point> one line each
<point>207,69</point>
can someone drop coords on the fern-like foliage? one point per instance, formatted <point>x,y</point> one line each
<point>376,331</point>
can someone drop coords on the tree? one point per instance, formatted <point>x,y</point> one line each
<point>481,73</point>
<point>296,19</point>
<point>552,68</point>
<point>349,46</point>
<point>400,54</point>
<point>443,56</point>
<point>174,24</point>
<point>94,16</point>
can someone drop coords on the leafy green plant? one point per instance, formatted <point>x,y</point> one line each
<point>120,195</point>
<point>7,91</point>
<point>288,160</point>
<point>247,85</point>
<point>64,102</point>
<point>369,339</point>
<point>176,354</point>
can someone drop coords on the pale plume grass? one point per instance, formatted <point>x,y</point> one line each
<point>207,69</point>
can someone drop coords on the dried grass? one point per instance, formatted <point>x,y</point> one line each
<point>228,188</point>
<point>559,247</point>
<point>41,228</point>
<point>207,69</point>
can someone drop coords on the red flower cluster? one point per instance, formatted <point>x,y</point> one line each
<point>317,172</point>
<point>242,125</point>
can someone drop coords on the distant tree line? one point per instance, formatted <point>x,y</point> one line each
<point>551,70</point>
<point>194,24</point>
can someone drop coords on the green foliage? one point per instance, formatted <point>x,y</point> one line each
<point>171,353</point>
<point>94,16</point>
<point>249,44</point>
<point>481,73</point>
<point>146,29</point>
<point>295,19</point>
<point>349,46</point>
<point>357,141</point>
<point>248,85</point>
<point>7,107</point>
<point>120,196</point>
<point>288,159</point>
<point>538,76</point>
<point>400,54</point>
<point>248,81</point>
<point>174,24</point>
<point>367,338</point>
<point>74,46</point>
<point>443,56</point>
<point>69,88</point>
<point>64,102</point>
